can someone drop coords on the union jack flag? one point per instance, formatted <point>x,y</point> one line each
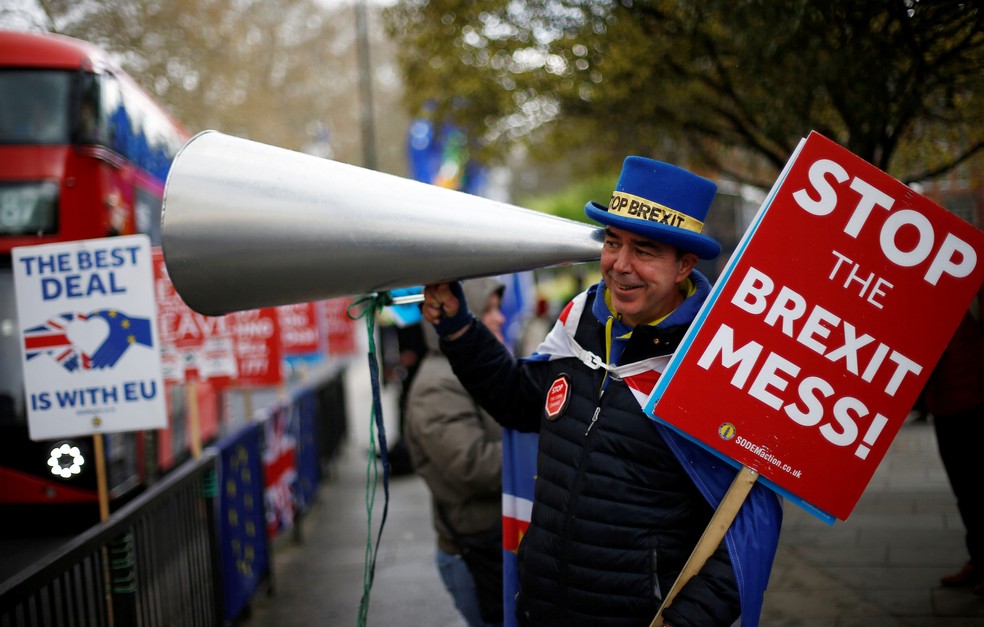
<point>51,339</point>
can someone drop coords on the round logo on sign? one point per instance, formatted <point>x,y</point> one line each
<point>558,396</point>
<point>727,431</point>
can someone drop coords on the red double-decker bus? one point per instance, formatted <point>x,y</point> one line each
<point>84,153</point>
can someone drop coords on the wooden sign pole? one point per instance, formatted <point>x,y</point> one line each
<point>723,516</point>
<point>248,404</point>
<point>97,442</point>
<point>194,420</point>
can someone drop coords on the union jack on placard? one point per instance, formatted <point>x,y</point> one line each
<point>51,339</point>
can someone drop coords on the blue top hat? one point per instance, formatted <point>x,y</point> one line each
<point>661,202</point>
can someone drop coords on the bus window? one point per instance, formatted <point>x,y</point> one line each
<point>34,106</point>
<point>91,127</point>
<point>28,208</point>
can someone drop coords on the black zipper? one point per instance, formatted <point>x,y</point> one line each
<point>570,520</point>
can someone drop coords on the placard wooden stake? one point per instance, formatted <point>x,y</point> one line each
<point>723,516</point>
<point>97,445</point>
<point>191,400</point>
<point>248,409</point>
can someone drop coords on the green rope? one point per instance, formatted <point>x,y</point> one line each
<point>367,308</point>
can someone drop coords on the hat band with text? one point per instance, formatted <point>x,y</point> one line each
<point>638,208</point>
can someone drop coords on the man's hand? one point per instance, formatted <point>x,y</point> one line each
<point>445,307</point>
<point>438,302</point>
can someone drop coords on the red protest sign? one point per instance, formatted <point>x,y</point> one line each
<point>824,327</point>
<point>194,347</point>
<point>300,329</point>
<point>258,347</point>
<point>339,328</point>
<point>242,348</point>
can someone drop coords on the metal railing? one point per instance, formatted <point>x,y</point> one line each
<point>184,552</point>
<point>154,562</point>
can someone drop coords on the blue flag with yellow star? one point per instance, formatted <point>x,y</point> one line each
<point>123,332</point>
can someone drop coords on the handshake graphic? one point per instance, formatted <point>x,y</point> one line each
<point>83,342</point>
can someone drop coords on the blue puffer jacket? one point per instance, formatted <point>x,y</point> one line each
<point>615,515</point>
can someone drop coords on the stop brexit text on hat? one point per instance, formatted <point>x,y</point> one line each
<point>823,328</point>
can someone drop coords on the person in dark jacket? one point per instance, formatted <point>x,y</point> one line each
<point>457,448</point>
<point>620,500</point>
<point>955,397</point>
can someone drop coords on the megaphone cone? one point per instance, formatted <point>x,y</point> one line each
<point>248,225</point>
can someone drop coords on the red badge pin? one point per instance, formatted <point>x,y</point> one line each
<point>558,396</point>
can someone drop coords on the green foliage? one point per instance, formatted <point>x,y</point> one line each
<point>569,202</point>
<point>728,84</point>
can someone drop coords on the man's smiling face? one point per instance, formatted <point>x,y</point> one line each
<point>643,276</point>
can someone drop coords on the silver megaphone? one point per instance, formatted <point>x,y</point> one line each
<point>248,225</point>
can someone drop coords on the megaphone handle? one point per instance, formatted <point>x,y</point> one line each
<point>407,299</point>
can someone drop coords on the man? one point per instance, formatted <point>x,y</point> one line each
<point>620,500</point>
<point>457,448</point>
<point>955,396</point>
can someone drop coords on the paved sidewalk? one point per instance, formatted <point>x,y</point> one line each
<point>319,580</point>
<point>880,568</point>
